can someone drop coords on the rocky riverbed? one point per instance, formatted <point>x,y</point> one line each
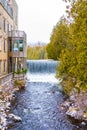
<point>7,96</point>
<point>76,107</point>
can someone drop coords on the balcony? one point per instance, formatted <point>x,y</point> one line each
<point>17,43</point>
<point>17,54</point>
<point>16,34</point>
<point>6,6</point>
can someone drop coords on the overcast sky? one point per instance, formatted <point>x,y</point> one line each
<point>37,18</point>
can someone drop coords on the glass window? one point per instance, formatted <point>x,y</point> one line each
<point>4,66</point>
<point>4,45</point>
<point>0,43</point>
<point>9,27</point>
<point>4,25</point>
<point>15,47</point>
<point>0,66</point>
<point>10,45</point>
<point>20,45</point>
<point>0,21</point>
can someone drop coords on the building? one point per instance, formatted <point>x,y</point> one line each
<point>12,41</point>
<point>17,50</point>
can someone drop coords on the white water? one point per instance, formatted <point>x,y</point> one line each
<point>42,78</point>
<point>42,71</point>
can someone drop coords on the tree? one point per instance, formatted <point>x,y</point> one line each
<point>58,40</point>
<point>36,52</point>
<point>73,66</point>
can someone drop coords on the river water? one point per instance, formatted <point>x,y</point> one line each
<point>38,105</point>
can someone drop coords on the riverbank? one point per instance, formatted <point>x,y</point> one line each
<point>7,96</point>
<point>75,107</point>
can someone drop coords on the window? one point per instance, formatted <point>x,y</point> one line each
<point>4,65</point>
<point>15,48</point>
<point>10,45</point>
<point>20,45</point>
<point>0,43</point>
<point>0,21</point>
<point>4,25</point>
<point>0,66</point>
<point>9,27</point>
<point>4,45</point>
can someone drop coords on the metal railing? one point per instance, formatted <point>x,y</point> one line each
<point>17,33</point>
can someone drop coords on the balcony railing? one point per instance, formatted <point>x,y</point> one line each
<point>17,33</point>
<point>7,7</point>
<point>18,54</point>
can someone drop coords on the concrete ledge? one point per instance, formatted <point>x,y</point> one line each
<point>6,78</point>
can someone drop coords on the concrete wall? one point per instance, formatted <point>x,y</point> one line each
<point>5,79</point>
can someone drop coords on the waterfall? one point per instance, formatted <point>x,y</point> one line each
<point>42,66</point>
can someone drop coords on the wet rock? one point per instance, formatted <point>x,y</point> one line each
<point>83,123</point>
<point>15,117</point>
<point>20,84</point>
<point>66,104</point>
<point>75,113</point>
<point>85,116</point>
<point>72,111</point>
<point>3,121</point>
<point>77,109</point>
<point>7,96</point>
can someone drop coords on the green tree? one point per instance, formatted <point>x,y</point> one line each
<point>58,40</point>
<point>73,66</point>
<point>36,52</point>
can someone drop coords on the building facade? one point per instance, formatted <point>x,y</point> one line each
<point>17,50</point>
<point>12,41</point>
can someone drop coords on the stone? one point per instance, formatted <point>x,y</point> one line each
<point>15,117</point>
<point>66,104</point>
<point>83,123</point>
<point>72,111</point>
<point>1,95</point>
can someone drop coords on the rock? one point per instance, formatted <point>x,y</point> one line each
<point>72,111</point>
<point>1,95</point>
<point>83,123</point>
<point>15,118</point>
<point>72,98</point>
<point>85,102</point>
<point>75,113</point>
<point>85,116</point>
<point>6,97</point>
<point>66,104</point>
<point>10,124</point>
<point>3,122</point>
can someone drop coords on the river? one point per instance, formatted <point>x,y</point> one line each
<point>38,105</point>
